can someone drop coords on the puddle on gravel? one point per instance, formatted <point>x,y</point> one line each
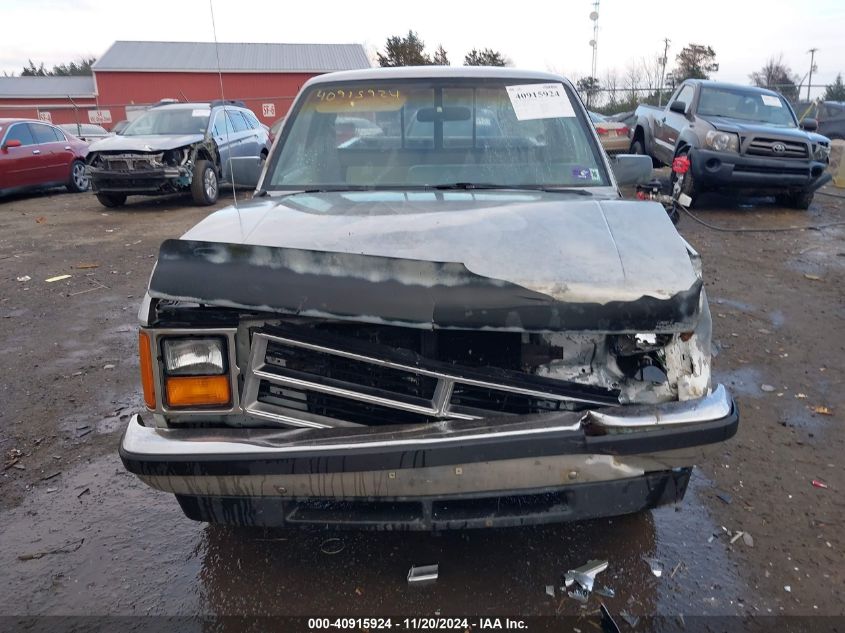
<point>743,381</point>
<point>140,555</point>
<point>731,303</point>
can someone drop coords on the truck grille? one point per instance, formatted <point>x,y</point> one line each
<point>301,377</point>
<point>766,147</point>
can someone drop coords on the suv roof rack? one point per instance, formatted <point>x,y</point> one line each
<point>162,102</point>
<point>231,102</point>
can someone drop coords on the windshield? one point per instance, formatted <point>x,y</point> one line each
<point>746,106</point>
<point>430,133</point>
<point>169,121</point>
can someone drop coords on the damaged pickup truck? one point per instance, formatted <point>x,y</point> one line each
<point>430,331</point>
<point>180,147</point>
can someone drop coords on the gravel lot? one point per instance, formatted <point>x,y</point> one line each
<point>68,358</point>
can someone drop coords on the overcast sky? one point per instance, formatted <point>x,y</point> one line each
<point>533,34</point>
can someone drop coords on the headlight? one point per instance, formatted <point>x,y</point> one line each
<point>821,152</point>
<point>722,141</point>
<point>175,157</point>
<point>193,357</point>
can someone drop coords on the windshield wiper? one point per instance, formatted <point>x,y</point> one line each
<point>466,186</point>
<point>456,186</point>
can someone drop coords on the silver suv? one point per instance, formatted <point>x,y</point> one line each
<point>180,147</point>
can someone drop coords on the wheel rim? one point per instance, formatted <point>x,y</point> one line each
<point>210,182</point>
<point>79,178</point>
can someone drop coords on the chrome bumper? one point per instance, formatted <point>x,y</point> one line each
<point>445,458</point>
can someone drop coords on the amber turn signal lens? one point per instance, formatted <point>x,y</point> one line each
<point>147,380</point>
<point>197,391</point>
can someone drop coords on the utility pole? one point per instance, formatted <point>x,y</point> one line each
<point>594,16</point>
<point>812,52</point>
<point>666,42</point>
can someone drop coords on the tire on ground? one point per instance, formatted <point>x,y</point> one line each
<point>638,147</point>
<point>78,182</point>
<point>799,200</point>
<point>111,200</point>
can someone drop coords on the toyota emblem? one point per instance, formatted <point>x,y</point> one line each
<point>778,148</point>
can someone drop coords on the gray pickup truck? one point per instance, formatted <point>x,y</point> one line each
<point>456,322</point>
<point>736,138</point>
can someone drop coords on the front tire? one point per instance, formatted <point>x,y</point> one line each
<point>688,186</point>
<point>78,182</point>
<point>111,200</point>
<point>801,200</point>
<point>205,188</point>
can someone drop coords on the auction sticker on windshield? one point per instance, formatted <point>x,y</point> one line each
<point>540,101</point>
<point>771,100</point>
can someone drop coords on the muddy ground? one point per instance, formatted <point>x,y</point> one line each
<point>81,536</point>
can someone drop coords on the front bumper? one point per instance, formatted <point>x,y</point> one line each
<point>601,463</point>
<point>156,180</point>
<point>726,170</point>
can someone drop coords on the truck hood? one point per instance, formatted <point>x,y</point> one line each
<point>529,261</point>
<point>151,143</point>
<point>727,124</point>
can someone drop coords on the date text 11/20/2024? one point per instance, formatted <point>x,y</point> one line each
<point>419,624</point>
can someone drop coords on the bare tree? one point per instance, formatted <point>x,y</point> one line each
<point>632,81</point>
<point>776,75</point>
<point>611,85</point>
<point>651,73</point>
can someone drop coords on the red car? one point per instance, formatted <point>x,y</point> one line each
<point>34,154</point>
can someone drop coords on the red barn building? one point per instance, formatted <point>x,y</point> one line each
<point>55,99</point>
<point>132,75</point>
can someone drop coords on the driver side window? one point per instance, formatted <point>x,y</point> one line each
<point>685,94</point>
<point>222,125</point>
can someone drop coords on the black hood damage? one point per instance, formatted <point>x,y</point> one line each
<point>378,289</point>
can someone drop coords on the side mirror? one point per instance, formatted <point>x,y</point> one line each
<point>809,125</point>
<point>678,106</point>
<point>12,142</point>
<point>631,169</point>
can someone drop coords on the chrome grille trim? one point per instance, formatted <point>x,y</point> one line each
<point>438,407</point>
<point>765,147</point>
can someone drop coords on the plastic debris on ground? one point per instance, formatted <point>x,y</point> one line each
<point>580,594</point>
<point>725,497</point>
<point>655,565</point>
<point>819,484</point>
<point>767,388</point>
<point>608,625</point>
<point>821,410</point>
<point>550,590</point>
<point>24,278</point>
<point>630,618</point>
<point>57,278</point>
<point>585,575</point>
<point>423,575</point>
